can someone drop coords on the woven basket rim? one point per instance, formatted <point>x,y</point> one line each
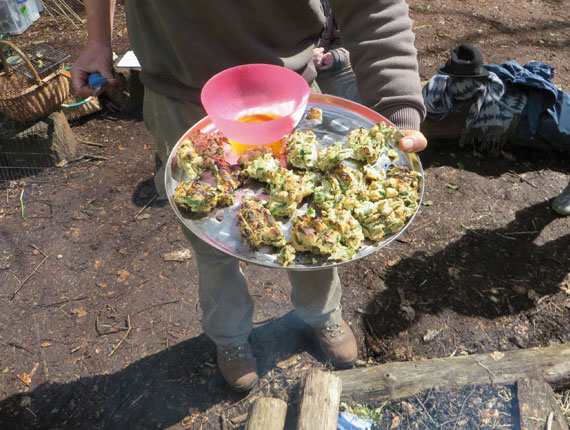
<point>45,81</point>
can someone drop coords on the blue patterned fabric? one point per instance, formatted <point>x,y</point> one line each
<point>511,96</point>
<point>492,107</point>
<point>547,113</point>
<point>348,421</point>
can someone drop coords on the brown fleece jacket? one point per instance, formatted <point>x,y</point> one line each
<point>182,43</point>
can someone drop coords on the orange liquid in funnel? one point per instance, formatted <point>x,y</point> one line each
<point>239,148</point>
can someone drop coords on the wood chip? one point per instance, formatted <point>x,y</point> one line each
<point>182,255</point>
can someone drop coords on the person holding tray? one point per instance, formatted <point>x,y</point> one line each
<point>180,45</point>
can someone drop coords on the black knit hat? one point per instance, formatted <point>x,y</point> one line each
<point>465,61</point>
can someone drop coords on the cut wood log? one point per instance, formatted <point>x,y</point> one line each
<point>320,401</point>
<point>37,145</point>
<point>396,380</point>
<point>538,406</point>
<point>451,128</point>
<point>267,413</point>
<point>63,141</point>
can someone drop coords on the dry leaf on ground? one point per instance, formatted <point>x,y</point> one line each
<point>182,255</point>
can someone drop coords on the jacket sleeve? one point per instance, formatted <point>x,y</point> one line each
<point>378,34</point>
<point>341,58</point>
<point>340,54</point>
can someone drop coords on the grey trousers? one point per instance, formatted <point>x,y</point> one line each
<point>340,83</point>
<point>227,307</point>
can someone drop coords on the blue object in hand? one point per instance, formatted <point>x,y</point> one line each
<point>96,80</point>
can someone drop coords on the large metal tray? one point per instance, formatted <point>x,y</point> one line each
<point>219,228</point>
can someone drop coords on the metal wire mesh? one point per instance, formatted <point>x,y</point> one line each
<point>44,58</point>
<point>24,149</point>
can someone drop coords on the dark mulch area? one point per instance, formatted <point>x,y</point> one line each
<point>473,407</point>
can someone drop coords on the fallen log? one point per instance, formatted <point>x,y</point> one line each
<point>538,407</point>
<point>320,401</point>
<point>402,379</point>
<point>267,413</point>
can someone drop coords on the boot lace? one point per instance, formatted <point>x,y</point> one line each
<point>334,330</point>
<point>234,352</point>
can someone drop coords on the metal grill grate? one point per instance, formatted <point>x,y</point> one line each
<point>44,58</point>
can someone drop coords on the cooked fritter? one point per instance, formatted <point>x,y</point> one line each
<point>372,173</point>
<point>188,158</point>
<point>404,175</point>
<point>287,256</point>
<point>208,145</point>
<point>350,179</point>
<point>309,182</point>
<point>251,154</point>
<point>315,114</point>
<point>376,191</point>
<point>349,228</point>
<point>329,194</point>
<point>257,225</point>
<point>285,192</point>
<point>196,197</point>
<point>340,189</point>
<point>332,156</point>
<point>381,218</point>
<point>388,132</point>
<point>227,181</point>
<point>313,235</point>
<point>301,149</point>
<point>367,145</point>
<point>261,168</point>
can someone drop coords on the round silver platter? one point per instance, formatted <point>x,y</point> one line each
<point>219,228</point>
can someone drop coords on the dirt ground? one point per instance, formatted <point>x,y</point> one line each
<point>99,331</point>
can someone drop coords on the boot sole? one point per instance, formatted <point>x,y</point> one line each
<point>344,364</point>
<point>245,387</point>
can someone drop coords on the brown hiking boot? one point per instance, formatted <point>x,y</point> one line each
<point>237,365</point>
<point>338,343</point>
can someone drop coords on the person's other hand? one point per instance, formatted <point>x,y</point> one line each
<point>413,141</point>
<point>95,58</point>
<point>327,61</point>
<point>318,56</point>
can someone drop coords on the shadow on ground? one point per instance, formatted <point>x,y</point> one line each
<point>515,158</point>
<point>155,392</point>
<point>486,273</point>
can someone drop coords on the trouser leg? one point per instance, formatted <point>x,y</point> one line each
<point>227,307</point>
<point>341,83</point>
<point>316,296</point>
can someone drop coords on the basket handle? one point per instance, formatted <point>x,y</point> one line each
<point>22,56</point>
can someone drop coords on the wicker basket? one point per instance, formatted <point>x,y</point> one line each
<point>24,99</point>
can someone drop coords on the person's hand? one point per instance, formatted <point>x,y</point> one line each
<point>318,56</point>
<point>413,141</point>
<point>327,61</point>
<point>322,60</point>
<point>95,58</point>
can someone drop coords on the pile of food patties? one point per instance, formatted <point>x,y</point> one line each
<point>348,197</point>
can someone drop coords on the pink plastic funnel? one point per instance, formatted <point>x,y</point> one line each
<point>255,89</point>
